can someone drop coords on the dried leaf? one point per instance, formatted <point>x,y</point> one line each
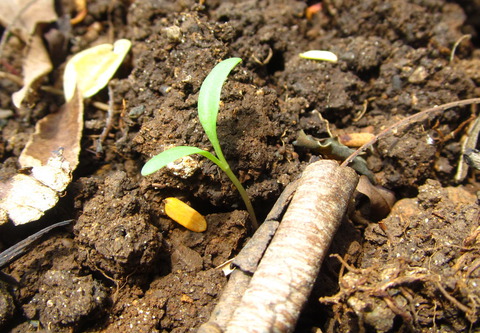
<point>22,18</point>
<point>25,15</point>
<point>35,66</point>
<point>332,148</point>
<point>59,130</point>
<point>24,199</point>
<point>51,155</point>
<point>91,69</point>
<point>380,200</point>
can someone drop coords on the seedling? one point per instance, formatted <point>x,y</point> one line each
<point>208,105</point>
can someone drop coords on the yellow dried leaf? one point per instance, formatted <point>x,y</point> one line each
<point>92,69</point>
<point>185,215</point>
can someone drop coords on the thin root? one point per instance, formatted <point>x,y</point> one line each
<point>345,264</point>
<point>452,299</point>
<point>454,49</point>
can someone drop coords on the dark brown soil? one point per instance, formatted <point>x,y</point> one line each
<point>128,267</point>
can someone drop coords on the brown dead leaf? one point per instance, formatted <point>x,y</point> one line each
<point>22,18</point>
<point>380,200</point>
<point>51,155</point>
<point>24,15</point>
<point>35,66</point>
<point>60,130</point>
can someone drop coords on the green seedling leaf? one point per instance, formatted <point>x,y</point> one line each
<point>209,100</point>
<point>161,160</point>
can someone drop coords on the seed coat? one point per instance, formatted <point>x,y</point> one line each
<point>185,215</point>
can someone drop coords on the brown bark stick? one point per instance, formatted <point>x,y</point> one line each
<point>246,262</point>
<point>283,281</point>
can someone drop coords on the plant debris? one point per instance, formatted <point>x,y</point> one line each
<point>90,70</point>
<point>23,17</point>
<point>185,215</point>
<point>427,277</point>
<point>49,158</point>
<point>380,200</point>
<point>332,148</point>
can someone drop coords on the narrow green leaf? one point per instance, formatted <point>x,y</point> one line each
<point>161,160</point>
<point>209,100</point>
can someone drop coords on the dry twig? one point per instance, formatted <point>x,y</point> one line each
<point>408,120</point>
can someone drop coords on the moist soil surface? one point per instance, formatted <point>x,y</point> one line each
<point>125,266</point>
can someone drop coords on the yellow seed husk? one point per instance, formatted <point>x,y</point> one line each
<point>185,215</point>
<point>355,139</point>
<point>319,55</point>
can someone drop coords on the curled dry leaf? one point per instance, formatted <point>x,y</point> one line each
<point>22,17</point>
<point>332,148</point>
<point>380,200</point>
<point>50,156</point>
<point>91,70</point>
<point>36,65</point>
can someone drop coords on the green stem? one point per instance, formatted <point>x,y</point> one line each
<point>222,164</point>
<point>243,194</point>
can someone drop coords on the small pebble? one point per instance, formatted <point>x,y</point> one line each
<point>418,75</point>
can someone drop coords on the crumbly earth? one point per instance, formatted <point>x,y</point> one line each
<point>125,266</point>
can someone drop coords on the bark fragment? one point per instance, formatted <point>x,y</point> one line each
<point>284,279</point>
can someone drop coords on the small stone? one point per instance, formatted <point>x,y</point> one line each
<point>418,75</point>
<point>174,34</point>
